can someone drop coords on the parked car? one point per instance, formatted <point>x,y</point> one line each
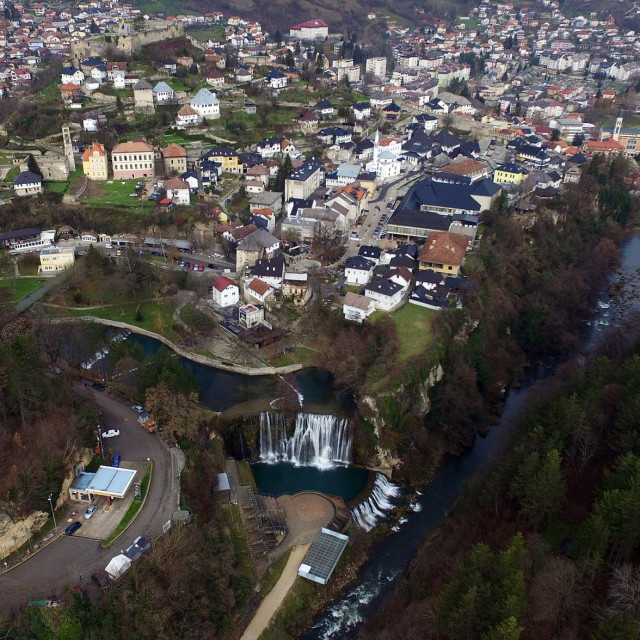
<point>193,266</point>
<point>90,511</point>
<point>212,266</point>
<point>108,246</point>
<point>112,433</point>
<point>133,195</point>
<point>55,370</point>
<point>72,528</point>
<point>138,408</point>
<point>200,267</point>
<point>116,460</point>
<point>187,265</point>
<point>98,387</point>
<point>101,581</point>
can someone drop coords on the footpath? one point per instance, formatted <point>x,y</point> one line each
<point>272,602</point>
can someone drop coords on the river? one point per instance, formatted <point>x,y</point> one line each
<point>388,559</point>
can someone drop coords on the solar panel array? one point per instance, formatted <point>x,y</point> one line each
<point>323,556</point>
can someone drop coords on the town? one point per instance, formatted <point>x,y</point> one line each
<point>276,243</point>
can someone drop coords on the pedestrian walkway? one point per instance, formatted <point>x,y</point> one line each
<point>275,597</point>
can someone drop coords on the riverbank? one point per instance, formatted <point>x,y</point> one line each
<point>184,353</point>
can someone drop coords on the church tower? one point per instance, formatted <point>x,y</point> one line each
<point>68,147</point>
<point>616,131</point>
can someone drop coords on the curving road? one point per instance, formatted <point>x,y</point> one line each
<point>68,558</point>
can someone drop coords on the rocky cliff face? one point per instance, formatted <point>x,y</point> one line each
<point>414,400</point>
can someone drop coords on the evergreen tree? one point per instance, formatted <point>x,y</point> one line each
<point>289,59</point>
<point>283,173</point>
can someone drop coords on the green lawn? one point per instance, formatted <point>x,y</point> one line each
<point>56,187</point>
<point>413,324</point>
<point>246,475</point>
<point>302,355</point>
<point>118,194</point>
<point>206,33</point>
<point>12,174</point>
<point>152,316</point>
<point>19,288</point>
<point>176,85</point>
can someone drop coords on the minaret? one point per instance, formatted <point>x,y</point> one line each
<point>376,147</point>
<point>616,131</point>
<point>68,147</point>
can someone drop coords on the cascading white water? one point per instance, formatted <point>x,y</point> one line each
<point>318,440</point>
<point>374,509</point>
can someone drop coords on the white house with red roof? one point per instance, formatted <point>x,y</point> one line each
<point>310,30</point>
<point>225,292</point>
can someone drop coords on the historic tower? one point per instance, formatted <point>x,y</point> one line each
<point>68,147</point>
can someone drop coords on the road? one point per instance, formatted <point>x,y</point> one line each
<point>67,558</point>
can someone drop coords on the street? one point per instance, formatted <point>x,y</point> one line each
<point>67,558</point>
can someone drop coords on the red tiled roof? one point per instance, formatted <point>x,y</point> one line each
<point>259,286</point>
<point>222,282</point>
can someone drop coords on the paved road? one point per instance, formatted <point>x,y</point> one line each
<point>67,558</point>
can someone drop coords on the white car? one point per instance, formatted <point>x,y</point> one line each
<point>112,433</point>
<point>108,246</point>
<point>90,511</point>
<point>138,408</point>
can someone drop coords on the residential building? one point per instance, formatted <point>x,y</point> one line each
<point>270,270</point>
<point>205,104</point>
<point>162,92</point>
<point>257,244</point>
<point>27,183</point>
<point>133,160</point>
<point>444,252</point>
<point>174,157</point>
<point>310,30</point>
<point>510,173</point>
<point>358,270</point>
<point>227,157</point>
<point>257,290</point>
<point>95,162</point>
<point>178,190</point>
<point>188,117</point>
<point>376,67</point>
<point>302,182</point>
<point>56,259</point>
<point>385,294</point>
<point>225,292</point>
<point>356,307</point>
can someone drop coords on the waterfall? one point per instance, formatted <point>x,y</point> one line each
<point>103,353</point>
<point>318,440</point>
<point>374,509</point>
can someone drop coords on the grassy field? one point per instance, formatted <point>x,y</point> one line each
<point>19,288</point>
<point>118,194</point>
<point>413,324</point>
<point>152,316</point>
<point>205,33</point>
<point>301,355</point>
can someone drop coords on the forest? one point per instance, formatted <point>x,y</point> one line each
<point>545,543</point>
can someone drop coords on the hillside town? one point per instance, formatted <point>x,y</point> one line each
<point>310,152</point>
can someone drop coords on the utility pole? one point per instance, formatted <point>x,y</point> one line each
<point>52,511</point>
<point>100,440</point>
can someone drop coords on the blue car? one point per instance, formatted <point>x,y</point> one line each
<point>72,528</point>
<point>116,460</point>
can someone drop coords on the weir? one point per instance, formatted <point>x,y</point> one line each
<point>321,441</point>
<point>376,507</point>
